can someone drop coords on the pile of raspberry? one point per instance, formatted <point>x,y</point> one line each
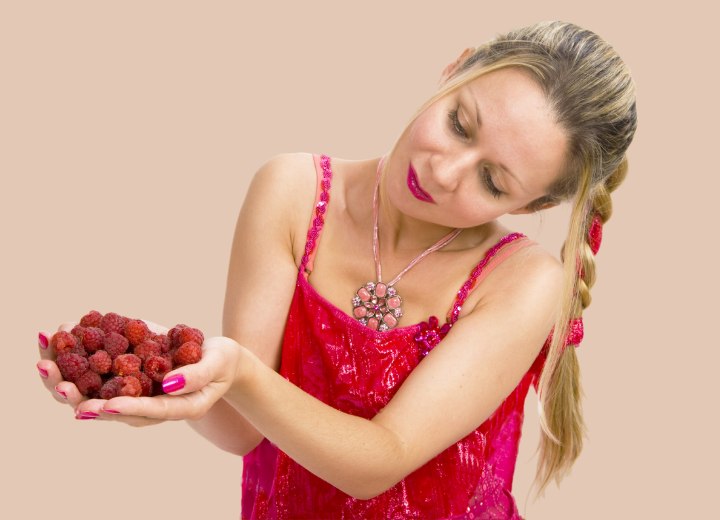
<point>111,355</point>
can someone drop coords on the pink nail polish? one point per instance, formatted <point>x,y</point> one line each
<point>173,384</point>
<point>110,411</point>
<point>42,340</point>
<point>62,394</point>
<point>43,372</point>
<point>87,415</point>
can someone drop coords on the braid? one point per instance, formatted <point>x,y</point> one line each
<point>559,386</point>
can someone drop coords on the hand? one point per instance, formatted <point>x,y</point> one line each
<point>63,391</point>
<point>192,390</point>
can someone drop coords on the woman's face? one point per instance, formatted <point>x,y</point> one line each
<point>487,149</point>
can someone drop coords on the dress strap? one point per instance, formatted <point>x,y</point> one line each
<point>504,248</point>
<point>317,219</point>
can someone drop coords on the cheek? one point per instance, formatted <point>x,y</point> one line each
<point>427,131</point>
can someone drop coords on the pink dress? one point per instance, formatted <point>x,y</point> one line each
<point>357,370</point>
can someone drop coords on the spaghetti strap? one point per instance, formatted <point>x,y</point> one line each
<point>496,255</point>
<point>317,219</point>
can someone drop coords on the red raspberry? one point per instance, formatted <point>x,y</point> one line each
<point>173,335</point>
<point>136,331</point>
<point>146,349</point>
<point>100,362</point>
<point>115,344</point>
<point>71,366</point>
<point>89,383</point>
<point>112,322</point>
<point>63,341</point>
<point>126,365</point>
<point>91,319</point>
<point>146,383</point>
<point>187,354</point>
<point>111,388</point>
<point>130,386</point>
<point>92,339</point>
<point>164,342</point>
<point>157,366</point>
<point>78,331</point>
<point>190,334</point>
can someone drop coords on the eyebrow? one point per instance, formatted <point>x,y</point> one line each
<point>502,167</point>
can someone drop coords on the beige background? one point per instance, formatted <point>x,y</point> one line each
<point>129,131</point>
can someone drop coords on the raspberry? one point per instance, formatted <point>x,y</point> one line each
<point>89,383</point>
<point>156,367</point>
<point>78,331</point>
<point>136,331</point>
<point>126,365</point>
<point>111,388</point>
<point>187,354</point>
<point>92,339</point>
<point>173,335</point>
<point>146,349</point>
<point>63,341</point>
<point>164,342</point>
<point>112,322</point>
<point>71,366</point>
<point>91,319</point>
<point>146,383</point>
<point>115,344</point>
<point>100,362</point>
<point>190,334</point>
<point>130,386</point>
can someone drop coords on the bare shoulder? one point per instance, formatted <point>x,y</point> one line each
<point>530,274</point>
<point>286,185</point>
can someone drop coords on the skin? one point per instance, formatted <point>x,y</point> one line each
<point>234,396</point>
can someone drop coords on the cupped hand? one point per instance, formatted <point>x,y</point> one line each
<point>191,390</point>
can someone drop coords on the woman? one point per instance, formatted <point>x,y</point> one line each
<point>344,392</point>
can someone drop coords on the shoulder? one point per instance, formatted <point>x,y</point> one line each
<point>531,278</point>
<point>284,186</point>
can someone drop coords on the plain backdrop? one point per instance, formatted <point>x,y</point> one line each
<point>129,132</point>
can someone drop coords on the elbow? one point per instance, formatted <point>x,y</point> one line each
<point>367,488</point>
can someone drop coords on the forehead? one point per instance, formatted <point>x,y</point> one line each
<point>517,125</point>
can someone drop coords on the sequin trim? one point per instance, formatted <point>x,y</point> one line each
<point>469,284</point>
<point>320,208</point>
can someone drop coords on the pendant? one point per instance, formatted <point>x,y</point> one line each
<point>377,305</point>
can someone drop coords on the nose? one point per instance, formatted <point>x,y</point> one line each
<point>449,170</point>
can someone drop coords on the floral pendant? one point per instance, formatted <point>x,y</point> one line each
<point>377,305</point>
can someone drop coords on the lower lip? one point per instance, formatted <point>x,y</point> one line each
<point>415,189</point>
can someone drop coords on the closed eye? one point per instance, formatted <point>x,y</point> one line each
<point>487,178</point>
<point>456,125</point>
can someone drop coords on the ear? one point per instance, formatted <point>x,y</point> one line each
<point>534,209</point>
<point>452,67</point>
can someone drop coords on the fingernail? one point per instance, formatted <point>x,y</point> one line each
<point>63,394</point>
<point>42,340</point>
<point>43,372</point>
<point>110,411</point>
<point>173,383</point>
<point>86,415</point>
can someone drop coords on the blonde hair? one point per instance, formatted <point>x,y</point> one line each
<point>593,98</point>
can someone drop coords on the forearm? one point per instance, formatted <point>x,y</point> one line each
<point>227,429</point>
<point>354,454</point>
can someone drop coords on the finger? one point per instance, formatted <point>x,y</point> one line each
<point>97,409</point>
<point>164,407</point>
<point>63,391</point>
<point>217,355</point>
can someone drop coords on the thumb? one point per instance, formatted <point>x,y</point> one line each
<point>215,366</point>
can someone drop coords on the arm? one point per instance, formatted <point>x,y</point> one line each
<point>451,392</point>
<point>261,263</point>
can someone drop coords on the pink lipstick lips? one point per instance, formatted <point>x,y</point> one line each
<point>414,185</point>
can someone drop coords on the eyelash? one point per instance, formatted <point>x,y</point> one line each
<point>459,130</point>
